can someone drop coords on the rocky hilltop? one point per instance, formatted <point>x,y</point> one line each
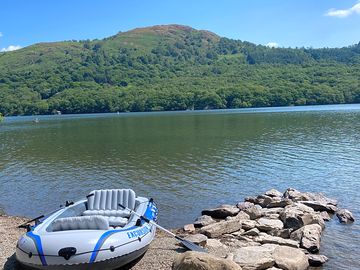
<point>172,67</point>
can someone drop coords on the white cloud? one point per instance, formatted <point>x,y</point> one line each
<point>11,48</point>
<point>272,45</point>
<point>343,13</point>
<point>1,34</point>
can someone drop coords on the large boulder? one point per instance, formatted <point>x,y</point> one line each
<point>255,257</point>
<point>289,258</point>
<point>217,229</point>
<point>298,215</point>
<point>345,216</point>
<point>309,237</point>
<point>203,221</point>
<point>266,224</point>
<point>202,261</point>
<point>222,211</point>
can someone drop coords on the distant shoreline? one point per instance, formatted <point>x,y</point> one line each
<point>294,108</point>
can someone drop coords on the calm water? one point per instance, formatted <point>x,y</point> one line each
<point>188,161</point>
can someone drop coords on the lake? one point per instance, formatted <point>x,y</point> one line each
<point>188,161</point>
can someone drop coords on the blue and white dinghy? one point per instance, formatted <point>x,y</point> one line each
<point>103,231</point>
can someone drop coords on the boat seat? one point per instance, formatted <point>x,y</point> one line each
<point>106,203</point>
<point>108,213</point>
<point>117,221</point>
<point>81,223</point>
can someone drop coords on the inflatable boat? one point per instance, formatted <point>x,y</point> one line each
<point>103,231</point>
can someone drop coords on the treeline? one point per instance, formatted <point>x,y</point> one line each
<point>177,68</point>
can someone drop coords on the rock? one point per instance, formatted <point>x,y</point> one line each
<point>273,216</point>
<point>321,198</point>
<point>264,238</point>
<point>239,241</point>
<point>266,224</point>
<point>345,216</point>
<point>244,205</point>
<point>325,216</point>
<point>273,268</point>
<point>255,257</point>
<point>203,221</point>
<point>296,195</point>
<point>242,216</point>
<point>189,228</point>
<point>217,229</point>
<point>317,260</point>
<point>270,211</point>
<point>248,224</point>
<point>221,211</point>
<point>289,258</point>
<point>203,261</point>
<point>250,199</point>
<point>298,215</point>
<point>198,239</point>
<point>253,212</point>
<point>319,206</point>
<point>237,233</point>
<point>277,202</point>
<point>273,193</point>
<point>263,200</point>
<point>284,233</point>
<point>252,232</point>
<point>309,237</point>
<point>214,244</point>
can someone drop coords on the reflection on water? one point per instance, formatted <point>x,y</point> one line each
<point>188,161</point>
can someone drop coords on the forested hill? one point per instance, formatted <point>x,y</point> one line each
<point>172,67</point>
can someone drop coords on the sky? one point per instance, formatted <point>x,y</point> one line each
<point>278,23</point>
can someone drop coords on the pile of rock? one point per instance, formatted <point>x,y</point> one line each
<point>271,231</point>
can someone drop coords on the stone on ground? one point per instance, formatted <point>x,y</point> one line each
<point>255,257</point>
<point>203,221</point>
<point>203,261</point>
<point>289,258</point>
<point>198,239</point>
<point>223,227</point>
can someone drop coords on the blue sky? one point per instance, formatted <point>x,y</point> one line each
<point>288,23</point>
